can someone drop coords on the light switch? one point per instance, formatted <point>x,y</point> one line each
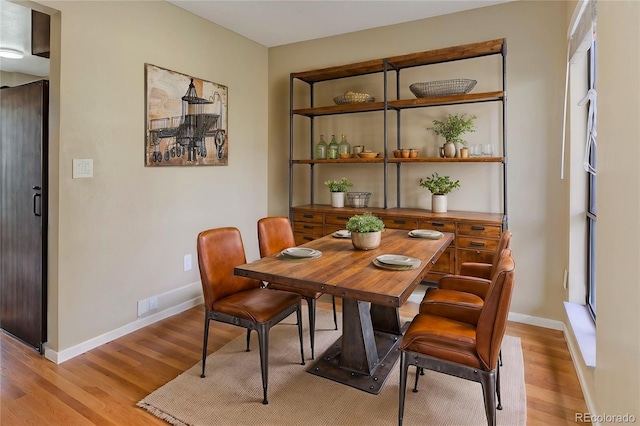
<point>82,168</point>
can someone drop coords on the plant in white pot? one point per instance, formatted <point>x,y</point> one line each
<point>451,129</point>
<point>439,186</point>
<point>366,230</point>
<point>338,189</point>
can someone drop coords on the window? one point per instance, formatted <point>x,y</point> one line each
<point>590,167</point>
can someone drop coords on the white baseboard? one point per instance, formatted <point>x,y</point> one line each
<point>67,354</point>
<point>537,321</point>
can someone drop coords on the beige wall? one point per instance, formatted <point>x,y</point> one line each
<point>617,373</point>
<point>535,34</point>
<point>122,235</point>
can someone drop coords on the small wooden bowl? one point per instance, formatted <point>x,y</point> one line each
<point>367,154</point>
<point>343,155</point>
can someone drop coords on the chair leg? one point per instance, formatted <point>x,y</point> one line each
<point>500,357</point>
<point>248,338</point>
<point>311,303</point>
<point>488,382</point>
<point>499,407</point>
<point>335,317</point>
<point>299,315</point>
<point>263,339</point>
<point>418,371</point>
<point>206,340</point>
<point>404,367</point>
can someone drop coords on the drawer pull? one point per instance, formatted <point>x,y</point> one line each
<point>308,216</point>
<point>477,228</point>
<point>476,244</point>
<point>343,218</point>
<point>400,222</point>
<point>307,226</point>
<point>437,224</point>
<point>307,238</point>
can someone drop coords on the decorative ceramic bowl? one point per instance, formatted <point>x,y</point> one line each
<point>367,154</point>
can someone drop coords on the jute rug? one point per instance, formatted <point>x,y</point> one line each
<point>231,394</point>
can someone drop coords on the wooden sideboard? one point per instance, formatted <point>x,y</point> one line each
<point>476,234</point>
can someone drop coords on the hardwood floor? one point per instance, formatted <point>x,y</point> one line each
<point>102,386</point>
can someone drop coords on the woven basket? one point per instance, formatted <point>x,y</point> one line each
<point>353,98</point>
<point>456,86</point>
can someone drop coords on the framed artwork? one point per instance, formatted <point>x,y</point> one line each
<point>185,120</point>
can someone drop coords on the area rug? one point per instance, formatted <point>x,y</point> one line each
<point>231,394</point>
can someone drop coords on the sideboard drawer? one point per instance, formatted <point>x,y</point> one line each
<point>308,217</point>
<point>304,238</point>
<point>479,229</point>
<point>399,222</point>
<point>438,225</point>
<point>337,219</point>
<point>308,228</point>
<point>477,243</point>
<point>477,256</point>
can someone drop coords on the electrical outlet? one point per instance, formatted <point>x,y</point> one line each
<point>153,303</point>
<point>143,307</point>
<point>187,262</point>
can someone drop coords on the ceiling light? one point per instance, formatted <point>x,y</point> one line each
<point>11,53</point>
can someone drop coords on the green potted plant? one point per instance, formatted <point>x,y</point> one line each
<point>439,186</point>
<point>451,129</point>
<point>338,189</point>
<point>366,230</point>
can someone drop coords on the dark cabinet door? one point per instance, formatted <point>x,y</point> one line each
<point>23,211</point>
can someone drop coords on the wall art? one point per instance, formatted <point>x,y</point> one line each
<point>185,120</point>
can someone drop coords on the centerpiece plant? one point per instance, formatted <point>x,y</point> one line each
<point>366,230</point>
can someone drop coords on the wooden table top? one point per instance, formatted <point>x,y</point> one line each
<point>346,272</point>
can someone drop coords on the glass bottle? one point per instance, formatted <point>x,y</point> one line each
<point>344,147</point>
<point>332,150</point>
<point>321,149</point>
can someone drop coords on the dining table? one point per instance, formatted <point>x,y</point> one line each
<point>371,291</point>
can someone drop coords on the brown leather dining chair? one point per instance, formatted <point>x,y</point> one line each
<point>274,235</point>
<point>238,300</point>
<point>483,272</point>
<point>469,288</point>
<point>455,343</point>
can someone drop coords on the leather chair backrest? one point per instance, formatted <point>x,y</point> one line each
<point>493,318</point>
<point>274,235</point>
<point>219,251</point>
<point>503,243</point>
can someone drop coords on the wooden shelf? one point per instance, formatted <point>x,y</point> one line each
<point>400,104</point>
<point>473,50</point>
<point>403,160</point>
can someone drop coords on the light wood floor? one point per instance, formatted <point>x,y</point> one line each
<point>102,386</point>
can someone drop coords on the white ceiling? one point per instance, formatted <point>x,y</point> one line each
<point>274,23</point>
<point>268,22</point>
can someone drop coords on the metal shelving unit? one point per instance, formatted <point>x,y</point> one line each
<point>386,66</point>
